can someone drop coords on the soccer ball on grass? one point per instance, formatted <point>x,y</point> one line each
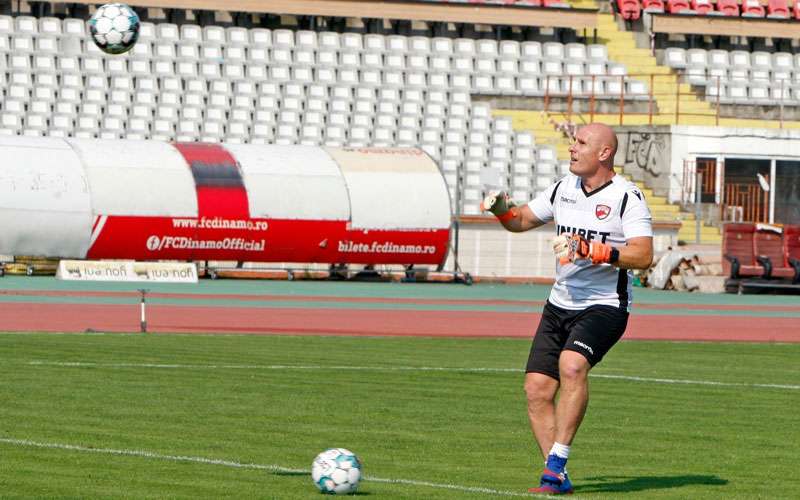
<point>336,471</point>
<point>114,28</point>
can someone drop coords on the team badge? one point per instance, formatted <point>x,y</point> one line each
<point>602,211</point>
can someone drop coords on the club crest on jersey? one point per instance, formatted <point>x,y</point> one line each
<point>602,211</point>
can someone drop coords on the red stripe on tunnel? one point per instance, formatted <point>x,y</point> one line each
<point>219,183</point>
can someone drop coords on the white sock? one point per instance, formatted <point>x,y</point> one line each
<point>560,450</point>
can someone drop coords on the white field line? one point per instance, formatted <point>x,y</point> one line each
<point>84,364</point>
<point>242,465</point>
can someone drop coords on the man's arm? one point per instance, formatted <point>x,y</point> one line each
<point>513,218</point>
<point>637,254</point>
<point>523,220</point>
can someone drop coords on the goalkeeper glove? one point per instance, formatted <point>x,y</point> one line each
<point>499,204</point>
<point>576,247</point>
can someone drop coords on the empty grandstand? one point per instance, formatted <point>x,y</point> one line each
<point>491,90</point>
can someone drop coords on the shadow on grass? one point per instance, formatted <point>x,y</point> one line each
<point>291,473</point>
<point>608,484</point>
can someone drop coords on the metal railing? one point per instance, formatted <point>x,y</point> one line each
<point>571,94</point>
<point>745,203</point>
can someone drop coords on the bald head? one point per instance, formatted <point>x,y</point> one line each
<point>604,139</point>
<point>593,149</point>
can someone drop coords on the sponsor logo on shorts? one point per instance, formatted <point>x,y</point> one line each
<point>581,344</point>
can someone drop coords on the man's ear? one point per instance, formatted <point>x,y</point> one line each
<point>605,153</point>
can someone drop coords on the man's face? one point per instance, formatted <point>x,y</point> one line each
<point>584,153</point>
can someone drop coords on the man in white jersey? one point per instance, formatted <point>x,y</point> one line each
<point>603,229</point>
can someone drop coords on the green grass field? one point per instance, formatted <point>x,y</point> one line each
<point>193,416</point>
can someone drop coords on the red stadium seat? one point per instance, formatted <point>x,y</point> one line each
<point>676,6</point>
<point>738,252</point>
<point>777,8</point>
<point>630,10</point>
<point>791,247</point>
<point>702,7</point>
<point>653,5</point>
<point>728,7</point>
<point>769,253</point>
<point>753,8</point>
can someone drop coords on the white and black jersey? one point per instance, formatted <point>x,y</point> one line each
<point>611,214</point>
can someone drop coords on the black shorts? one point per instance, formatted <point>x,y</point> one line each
<point>591,332</point>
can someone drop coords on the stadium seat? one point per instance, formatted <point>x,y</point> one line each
<point>553,50</point>
<point>678,7</point>
<point>791,246</point>
<point>752,8</point>
<point>761,66</point>
<point>770,253</point>
<point>728,7</point>
<point>74,27</point>
<point>759,92</point>
<point>143,49</point>
<point>777,9</point>
<point>738,251</point>
<point>6,25</point>
<point>26,24</point>
<point>630,10</point>
<point>531,50</point>
<point>46,44</point>
<point>50,26</point>
<point>215,35</point>
<point>35,121</point>
<point>675,57</point>
<point>237,36</point>
<point>167,32</point>
<point>352,42</point>
<point>191,33</point>
<point>653,6</point>
<point>703,7</point>
<point>147,31</point>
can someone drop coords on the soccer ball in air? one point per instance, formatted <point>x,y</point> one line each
<point>114,28</point>
<point>336,471</point>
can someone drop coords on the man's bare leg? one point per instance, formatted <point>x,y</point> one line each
<point>573,398</point>
<point>573,369</point>
<point>541,393</point>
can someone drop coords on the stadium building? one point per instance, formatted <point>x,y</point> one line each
<point>704,97</point>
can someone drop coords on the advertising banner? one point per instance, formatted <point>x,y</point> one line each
<point>127,271</point>
<point>147,200</point>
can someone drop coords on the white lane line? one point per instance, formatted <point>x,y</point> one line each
<point>86,364</point>
<point>696,382</point>
<point>244,465</point>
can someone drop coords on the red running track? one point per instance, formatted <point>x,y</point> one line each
<point>27,317</point>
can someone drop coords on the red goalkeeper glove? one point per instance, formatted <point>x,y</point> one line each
<point>576,247</point>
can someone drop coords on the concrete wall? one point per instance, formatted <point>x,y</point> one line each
<point>645,154</point>
<point>690,142</point>
<point>656,154</point>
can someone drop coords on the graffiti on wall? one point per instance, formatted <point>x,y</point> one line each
<point>646,151</point>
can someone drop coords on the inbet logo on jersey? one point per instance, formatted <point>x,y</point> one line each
<point>602,211</point>
<point>589,234</point>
